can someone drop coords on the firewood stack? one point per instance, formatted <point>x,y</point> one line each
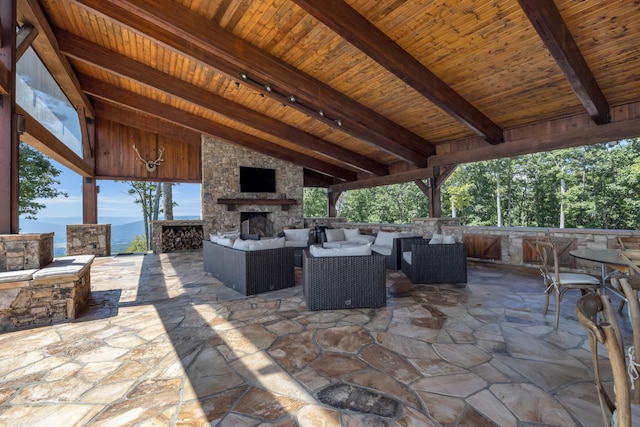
<point>181,238</point>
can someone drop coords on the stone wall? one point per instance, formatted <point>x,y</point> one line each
<point>50,295</point>
<point>25,251</point>
<point>512,239</point>
<point>221,180</point>
<point>421,226</point>
<point>89,239</point>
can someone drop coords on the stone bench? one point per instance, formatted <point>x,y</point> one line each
<point>52,294</point>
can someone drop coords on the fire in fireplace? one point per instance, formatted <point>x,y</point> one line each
<point>256,223</point>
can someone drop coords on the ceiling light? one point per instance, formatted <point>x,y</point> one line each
<point>339,122</point>
<point>268,87</point>
<point>243,76</point>
<point>292,98</point>
<point>321,113</point>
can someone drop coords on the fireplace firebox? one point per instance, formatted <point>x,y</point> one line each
<point>257,223</point>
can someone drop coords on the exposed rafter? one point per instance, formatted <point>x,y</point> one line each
<point>232,55</point>
<point>44,141</point>
<point>4,79</point>
<point>132,100</point>
<point>24,38</point>
<point>105,59</point>
<point>45,44</point>
<point>546,19</point>
<point>349,24</point>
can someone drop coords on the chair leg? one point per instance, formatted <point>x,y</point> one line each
<point>558,299</point>
<point>546,302</point>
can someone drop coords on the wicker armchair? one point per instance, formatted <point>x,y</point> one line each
<point>438,263</point>
<point>337,282</point>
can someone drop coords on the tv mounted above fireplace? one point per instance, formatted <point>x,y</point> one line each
<point>257,180</point>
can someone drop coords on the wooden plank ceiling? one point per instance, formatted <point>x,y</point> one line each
<point>356,91</point>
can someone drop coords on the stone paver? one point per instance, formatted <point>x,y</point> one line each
<point>163,343</point>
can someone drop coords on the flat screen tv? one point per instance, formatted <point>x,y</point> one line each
<point>257,180</point>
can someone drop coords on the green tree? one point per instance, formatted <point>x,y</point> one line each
<point>315,202</point>
<point>138,244</point>
<point>147,195</point>
<point>37,181</point>
<point>397,203</point>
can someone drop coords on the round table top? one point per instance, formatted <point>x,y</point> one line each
<point>604,256</point>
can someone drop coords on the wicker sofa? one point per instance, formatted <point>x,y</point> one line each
<point>434,263</point>
<point>249,272</point>
<point>339,282</point>
<point>386,243</point>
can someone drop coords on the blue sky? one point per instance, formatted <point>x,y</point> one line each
<point>114,204</point>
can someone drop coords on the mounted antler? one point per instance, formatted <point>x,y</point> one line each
<point>151,165</point>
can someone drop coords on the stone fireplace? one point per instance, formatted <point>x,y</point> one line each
<point>225,207</point>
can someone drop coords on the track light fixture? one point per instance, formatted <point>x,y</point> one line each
<point>271,91</point>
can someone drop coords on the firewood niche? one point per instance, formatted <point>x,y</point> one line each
<point>232,203</point>
<point>178,235</point>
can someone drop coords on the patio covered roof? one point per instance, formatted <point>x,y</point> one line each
<point>359,93</point>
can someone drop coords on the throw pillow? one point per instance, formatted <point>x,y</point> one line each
<point>334,234</point>
<point>256,245</point>
<point>448,240</point>
<point>385,238</point>
<point>225,241</point>
<point>351,233</point>
<point>297,234</point>
<point>436,239</point>
<point>241,244</point>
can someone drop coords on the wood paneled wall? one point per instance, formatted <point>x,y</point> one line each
<point>116,157</point>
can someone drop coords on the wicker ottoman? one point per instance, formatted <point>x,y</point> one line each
<point>339,282</point>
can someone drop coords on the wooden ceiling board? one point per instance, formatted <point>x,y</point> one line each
<point>486,51</point>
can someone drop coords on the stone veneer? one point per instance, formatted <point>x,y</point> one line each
<point>25,251</point>
<point>89,239</point>
<point>221,180</point>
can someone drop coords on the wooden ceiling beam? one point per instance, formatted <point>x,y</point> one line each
<point>353,27</point>
<point>547,21</point>
<point>615,131</point>
<point>48,144</point>
<point>136,102</point>
<point>4,79</point>
<point>24,38</point>
<point>378,181</point>
<point>210,44</point>
<point>315,179</point>
<point>85,51</point>
<point>45,44</point>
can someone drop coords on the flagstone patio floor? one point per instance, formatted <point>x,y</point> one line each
<point>164,343</point>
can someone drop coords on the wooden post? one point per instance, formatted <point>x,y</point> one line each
<point>332,198</point>
<point>89,187</point>
<point>9,142</point>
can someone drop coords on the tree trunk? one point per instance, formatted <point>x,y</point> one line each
<point>498,202</point>
<point>167,189</point>
<point>562,190</point>
<point>156,201</point>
